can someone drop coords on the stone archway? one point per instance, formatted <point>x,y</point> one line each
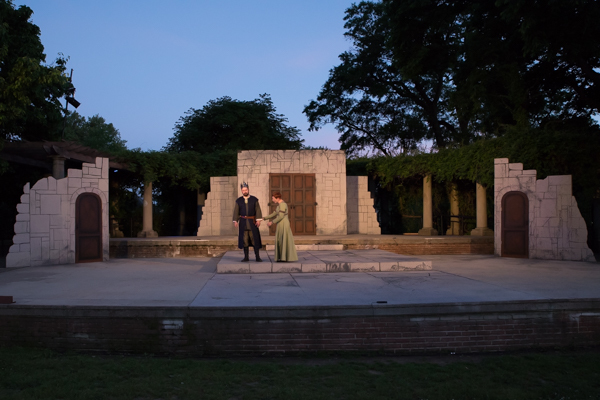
<point>88,228</point>
<point>515,225</point>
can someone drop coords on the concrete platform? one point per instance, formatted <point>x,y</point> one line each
<point>193,282</point>
<point>317,261</point>
<point>181,306</point>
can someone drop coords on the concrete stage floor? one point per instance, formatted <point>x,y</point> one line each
<point>193,282</point>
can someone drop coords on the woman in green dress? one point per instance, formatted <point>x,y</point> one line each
<point>285,249</point>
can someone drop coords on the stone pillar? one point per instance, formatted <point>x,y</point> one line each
<point>147,221</point>
<point>58,167</point>
<point>482,228</point>
<point>427,229</point>
<point>454,228</point>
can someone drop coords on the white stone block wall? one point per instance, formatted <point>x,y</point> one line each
<point>329,167</point>
<point>45,225</point>
<point>362,217</point>
<point>217,214</point>
<point>557,231</point>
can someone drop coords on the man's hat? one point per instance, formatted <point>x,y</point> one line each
<point>244,185</point>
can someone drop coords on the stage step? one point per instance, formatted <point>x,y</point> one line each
<point>319,261</point>
<point>311,247</point>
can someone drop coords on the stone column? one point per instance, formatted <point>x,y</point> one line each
<point>427,229</point>
<point>58,167</point>
<point>147,221</point>
<point>454,228</point>
<point>482,228</point>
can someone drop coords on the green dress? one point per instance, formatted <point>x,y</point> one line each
<point>285,249</point>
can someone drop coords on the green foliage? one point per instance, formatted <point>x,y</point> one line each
<point>189,169</point>
<point>94,132</point>
<point>456,72</point>
<point>557,149</point>
<point>225,125</point>
<point>366,97</point>
<point>29,90</point>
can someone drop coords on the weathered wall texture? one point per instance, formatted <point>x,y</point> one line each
<point>557,230</point>
<point>254,167</point>
<point>329,167</point>
<point>362,217</point>
<point>45,227</point>
<point>217,213</point>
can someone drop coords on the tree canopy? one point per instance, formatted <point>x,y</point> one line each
<point>29,89</point>
<point>225,124</point>
<point>94,132</point>
<point>457,71</point>
<point>206,142</point>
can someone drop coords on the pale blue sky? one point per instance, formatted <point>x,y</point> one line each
<point>141,64</point>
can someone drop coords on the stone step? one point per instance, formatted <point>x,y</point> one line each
<point>311,247</point>
<point>320,261</point>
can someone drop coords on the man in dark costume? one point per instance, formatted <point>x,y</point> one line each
<point>247,216</point>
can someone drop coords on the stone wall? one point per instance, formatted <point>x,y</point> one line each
<point>556,229</point>
<point>254,167</point>
<point>45,227</point>
<point>329,167</point>
<point>362,217</point>
<point>217,213</point>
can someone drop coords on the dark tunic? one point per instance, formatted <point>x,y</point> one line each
<point>252,209</point>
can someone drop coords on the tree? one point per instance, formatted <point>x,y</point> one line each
<point>372,104</point>
<point>225,125</point>
<point>509,63</point>
<point>457,71</point>
<point>93,132</point>
<point>29,89</point>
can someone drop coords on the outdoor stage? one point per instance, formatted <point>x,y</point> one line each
<point>216,246</point>
<point>181,306</point>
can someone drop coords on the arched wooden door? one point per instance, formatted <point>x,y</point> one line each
<point>88,228</point>
<point>515,225</point>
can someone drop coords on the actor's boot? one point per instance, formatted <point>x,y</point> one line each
<point>257,254</point>
<point>246,251</point>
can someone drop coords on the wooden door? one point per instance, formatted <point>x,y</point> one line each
<point>515,225</point>
<point>88,228</point>
<point>299,192</point>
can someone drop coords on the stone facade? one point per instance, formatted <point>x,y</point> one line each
<point>45,227</point>
<point>362,217</point>
<point>217,213</point>
<point>255,167</point>
<point>557,230</point>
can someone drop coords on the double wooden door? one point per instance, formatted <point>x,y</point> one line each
<point>299,192</point>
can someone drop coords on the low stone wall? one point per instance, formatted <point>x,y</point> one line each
<point>402,329</point>
<point>409,245</point>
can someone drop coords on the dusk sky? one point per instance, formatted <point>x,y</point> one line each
<point>141,64</point>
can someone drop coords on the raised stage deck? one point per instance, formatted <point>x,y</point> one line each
<point>216,246</point>
<point>180,306</point>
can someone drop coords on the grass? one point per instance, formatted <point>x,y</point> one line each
<point>44,374</point>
